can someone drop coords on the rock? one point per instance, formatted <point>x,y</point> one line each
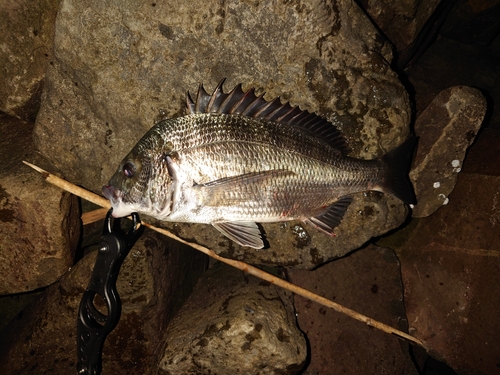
<point>400,21</point>
<point>446,128</point>
<point>156,277</point>
<point>40,224</point>
<point>132,61</point>
<point>26,35</point>
<point>369,282</point>
<point>234,323</point>
<point>450,266</point>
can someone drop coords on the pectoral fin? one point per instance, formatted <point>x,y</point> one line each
<point>244,233</point>
<point>332,217</point>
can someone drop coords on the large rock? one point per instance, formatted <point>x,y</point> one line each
<point>368,281</point>
<point>451,267</point>
<point>155,279</point>
<point>40,224</point>
<point>446,128</point>
<point>133,60</point>
<point>26,36</point>
<point>234,323</point>
<point>401,21</point>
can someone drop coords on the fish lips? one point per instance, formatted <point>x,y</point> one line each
<point>110,193</point>
<point>114,196</point>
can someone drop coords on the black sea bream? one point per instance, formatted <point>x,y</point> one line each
<point>236,160</point>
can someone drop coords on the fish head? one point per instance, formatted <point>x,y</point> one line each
<point>141,183</point>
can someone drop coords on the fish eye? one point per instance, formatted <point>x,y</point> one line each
<point>128,169</point>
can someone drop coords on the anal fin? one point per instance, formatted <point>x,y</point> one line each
<point>244,233</point>
<point>332,217</point>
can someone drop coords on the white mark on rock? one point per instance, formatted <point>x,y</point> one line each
<point>412,206</point>
<point>436,185</point>
<point>456,166</point>
<point>444,198</point>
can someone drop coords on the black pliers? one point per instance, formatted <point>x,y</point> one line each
<point>93,326</point>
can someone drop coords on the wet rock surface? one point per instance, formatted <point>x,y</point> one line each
<point>154,281</point>
<point>450,266</point>
<point>368,281</point>
<point>132,61</point>
<point>234,323</point>
<point>39,223</point>
<point>447,127</point>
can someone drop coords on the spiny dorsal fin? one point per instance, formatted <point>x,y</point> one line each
<point>238,102</point>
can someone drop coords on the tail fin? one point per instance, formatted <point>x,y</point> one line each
<point>398,163</point>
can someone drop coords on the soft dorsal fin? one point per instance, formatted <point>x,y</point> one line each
<point>238,102</point>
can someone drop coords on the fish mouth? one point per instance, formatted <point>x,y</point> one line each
<point>110,193</point>
<point>115,197</point>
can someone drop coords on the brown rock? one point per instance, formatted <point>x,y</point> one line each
<point>155,279</point>
<point>234,323</point>
<point>26,35</point>
<point>101,97</point>
<point>446,128</point>
<point>369,282</point>
<point>401,21</point>
<point>40,224</point>
<point>451,267</point>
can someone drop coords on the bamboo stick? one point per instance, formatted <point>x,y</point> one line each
<point>94,198</point>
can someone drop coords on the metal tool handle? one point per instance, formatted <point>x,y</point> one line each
<point>95,324</point>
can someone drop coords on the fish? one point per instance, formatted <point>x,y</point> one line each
<point>236,159</point>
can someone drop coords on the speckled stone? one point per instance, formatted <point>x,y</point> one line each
<point>26,36</point>
<point>446,128</point>
<point>234,323</point>
<point>39,223</point>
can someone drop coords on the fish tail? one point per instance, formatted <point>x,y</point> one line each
<point>398,162</point>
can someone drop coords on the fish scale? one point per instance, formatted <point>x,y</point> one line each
<point>218,166</point>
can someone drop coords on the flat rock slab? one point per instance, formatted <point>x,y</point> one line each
<point>451,267</point>
<point>369,282</point>
<point>234,323</point>
<point>447,127</point>
<point>132,61</point>
<point>155,279</point>
<point>39,223</point>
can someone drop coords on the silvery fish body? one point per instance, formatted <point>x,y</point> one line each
<point>235,160</point>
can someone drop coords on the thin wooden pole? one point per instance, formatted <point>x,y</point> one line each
<point>100,201</point>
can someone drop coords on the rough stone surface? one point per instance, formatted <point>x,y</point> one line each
<point>446,128</point>
<point>26,35</point>
<point>401,21</point>
<point>40,224</point>
<point>133,60</point>
<point>234,323</point>
<point>368,281</point>
<point>154,280</point>
<point>450,266</point>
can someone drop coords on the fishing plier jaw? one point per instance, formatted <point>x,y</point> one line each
<point>93,324</point>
